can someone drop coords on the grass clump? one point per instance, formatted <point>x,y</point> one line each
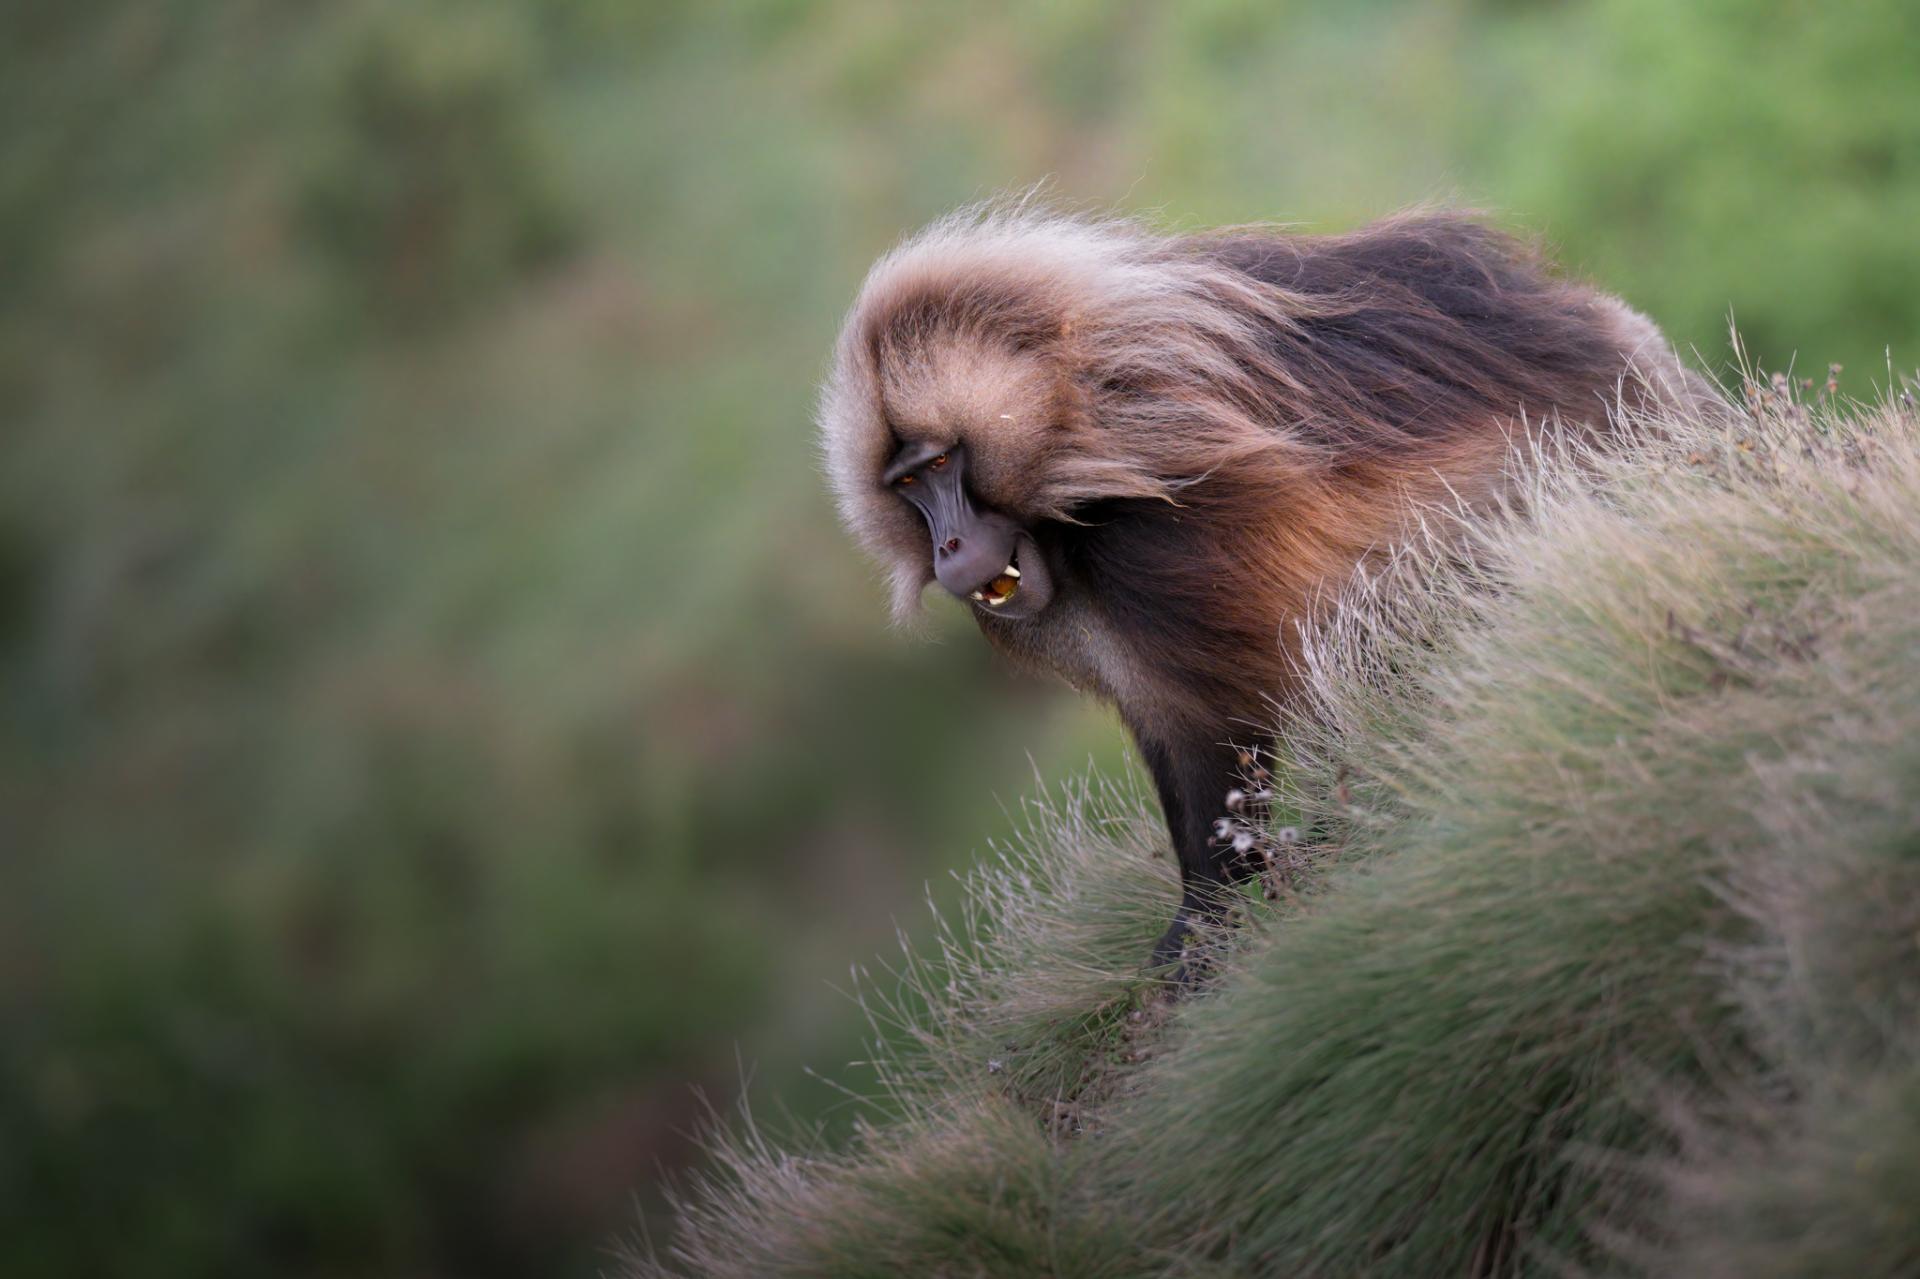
<point>1607,957</point>
<point>998,1050</point>
<point>974,1188</point>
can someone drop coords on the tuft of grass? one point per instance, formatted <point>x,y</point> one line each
<point>1036,984</point>
<point>1542,748</point>
<point>997,1048</point>
<point>1605,956</point>
<point>971,1185</point>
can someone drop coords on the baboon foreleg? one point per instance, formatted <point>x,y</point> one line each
<point>1192,774</point>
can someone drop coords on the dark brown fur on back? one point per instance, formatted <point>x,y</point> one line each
<point>1422,327</point>
<point>1416,351</point>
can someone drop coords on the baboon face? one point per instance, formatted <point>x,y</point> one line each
<point>977,551</point>
<point>965,455</point>
<point>945,457</point>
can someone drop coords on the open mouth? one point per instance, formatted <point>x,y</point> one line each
<point>1003,587</point>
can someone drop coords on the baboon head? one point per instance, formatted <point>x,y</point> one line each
<point>963,418</point>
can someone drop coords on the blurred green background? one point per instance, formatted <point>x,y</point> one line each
<point>440,724</point>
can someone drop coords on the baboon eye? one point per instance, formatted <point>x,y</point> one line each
<point>938,462</point>
<point>904,480</point>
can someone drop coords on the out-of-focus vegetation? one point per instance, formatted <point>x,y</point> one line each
<point>438,719</point>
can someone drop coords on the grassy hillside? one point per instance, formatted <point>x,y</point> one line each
<point>1603,955</point>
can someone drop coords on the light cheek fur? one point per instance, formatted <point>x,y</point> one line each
<point>858,442</point>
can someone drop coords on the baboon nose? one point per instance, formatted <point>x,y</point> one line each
<point>970,549</point>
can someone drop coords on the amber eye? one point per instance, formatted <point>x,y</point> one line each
<point>904,480</point>
<point>938,462</point>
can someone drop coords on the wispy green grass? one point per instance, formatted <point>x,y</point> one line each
<point>1604,958</point>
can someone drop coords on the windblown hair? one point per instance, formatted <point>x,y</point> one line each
<point>1216,427</point>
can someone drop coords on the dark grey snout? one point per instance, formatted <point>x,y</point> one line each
<point>976,552</point>
<point>973,552</point>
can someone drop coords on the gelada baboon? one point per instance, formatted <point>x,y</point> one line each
<point>1141,460</point>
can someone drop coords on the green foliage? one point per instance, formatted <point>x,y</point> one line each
<point>1714,160</point>
<point>428,183</point>
<point>438,717</point>
<point>1606,956</point>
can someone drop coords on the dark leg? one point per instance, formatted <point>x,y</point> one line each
<point>1193,776</point>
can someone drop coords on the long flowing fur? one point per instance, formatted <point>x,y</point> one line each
<point>1217,428</point>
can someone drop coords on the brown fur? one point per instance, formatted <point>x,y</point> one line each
<point>1210,432</point>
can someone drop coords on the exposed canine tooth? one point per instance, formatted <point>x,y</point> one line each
<point>979,595</point>
<point>1010,571</point>
<point>995,601</point>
